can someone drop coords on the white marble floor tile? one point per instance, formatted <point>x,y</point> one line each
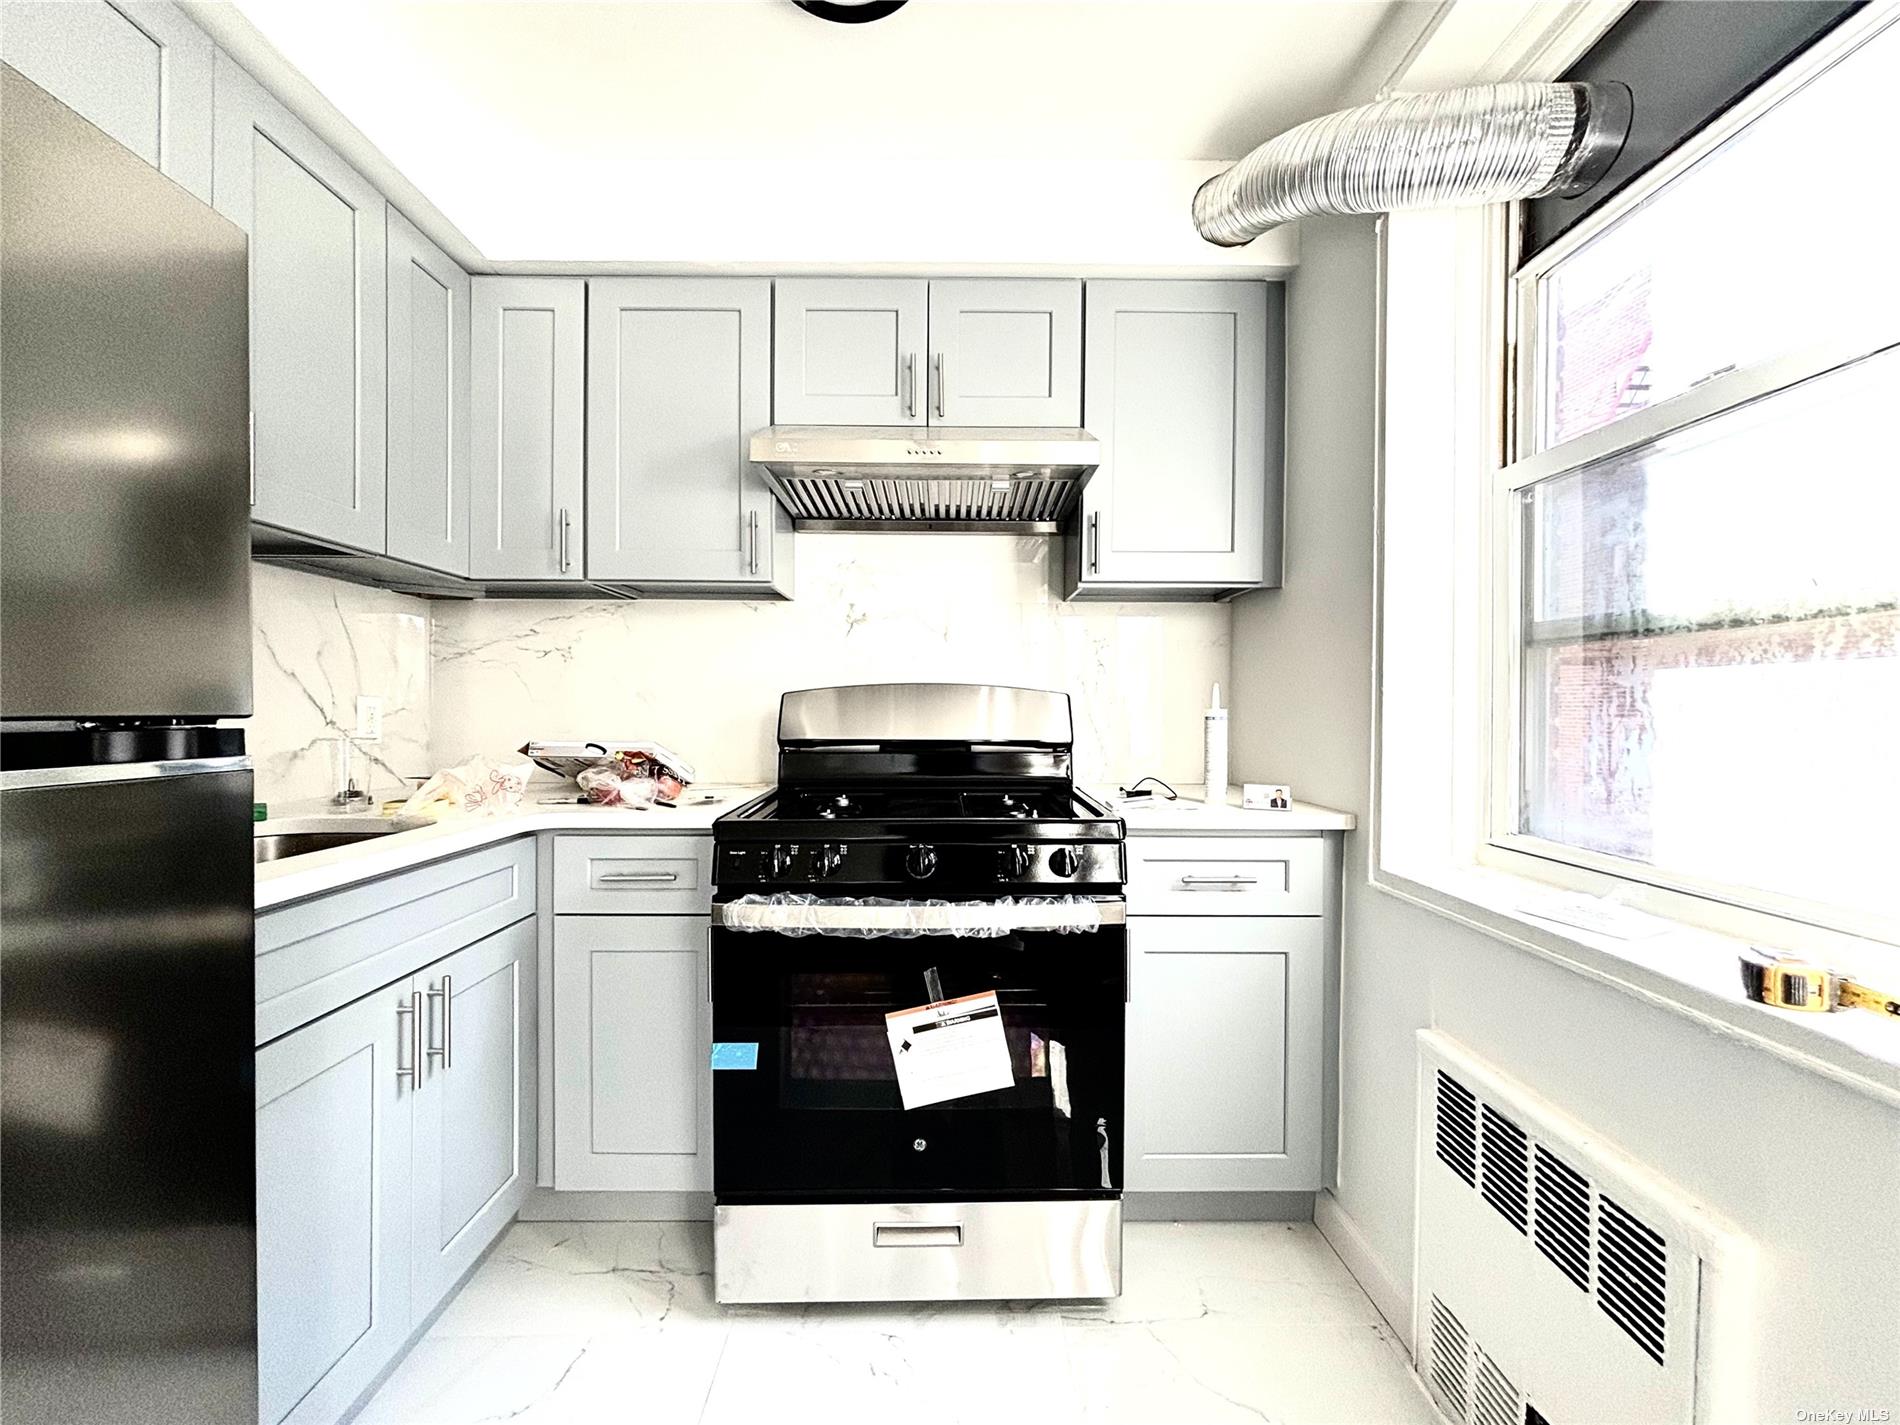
<point>586,1323</point>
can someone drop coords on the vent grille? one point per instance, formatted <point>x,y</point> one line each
<point>1012,499</point>
<point>1458,1128</point>
<point>1563,1217</point>
<point>1632,1275</point>
<point>1585,1234</point>
<point>1450,1360</point>
<point>1506,1168</point>
<point>1494,1400</point>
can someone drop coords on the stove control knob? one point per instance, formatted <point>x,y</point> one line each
<point>1016,861</point>
<point>830,859</point>
<point>782,858</point>
<point>1064,861</point>
<point>920,862</point>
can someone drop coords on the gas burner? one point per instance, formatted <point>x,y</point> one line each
<point>833,807</point>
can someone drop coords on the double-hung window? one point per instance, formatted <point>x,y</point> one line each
<point>1697,540</point>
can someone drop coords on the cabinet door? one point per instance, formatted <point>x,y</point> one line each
<point>137,68</point>
<point>333,1194</point>
<point>318,338</point>
<point>1223,1054</point>
<point>679,378</point>
<point>849,351</point>
<point>1184,392</point>
<point>428,402</point>
<point>526,387</point>
<point>632,1051</point>
<point>1005,352</point>
<point>474,1114</point>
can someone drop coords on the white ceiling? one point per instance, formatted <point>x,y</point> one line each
<point>511,117</point>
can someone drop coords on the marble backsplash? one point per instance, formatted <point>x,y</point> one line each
<point>704,677</point>
<point>316,644</point>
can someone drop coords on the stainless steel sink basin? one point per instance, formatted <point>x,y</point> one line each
<point>299,836</point>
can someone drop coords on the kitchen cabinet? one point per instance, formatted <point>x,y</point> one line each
<point>910,351</point>
<point>1224,1024</point>
<point>1185,392</point>
<point>527,389</point>
<point>334,1189</point>
<point>679,377</point>
<point>632,1050</point>
<point>137,68</point>
<point>318,338</point>
<point>473,1126</point>
<point>849,351</point>
<point>428,481</point>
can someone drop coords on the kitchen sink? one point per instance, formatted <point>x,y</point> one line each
<point>299,836</point>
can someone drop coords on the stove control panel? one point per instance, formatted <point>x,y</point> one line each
<point>950,868</point>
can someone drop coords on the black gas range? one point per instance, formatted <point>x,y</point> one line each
<point>919,979</point>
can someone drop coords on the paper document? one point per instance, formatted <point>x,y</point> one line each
<point>950,1049</point>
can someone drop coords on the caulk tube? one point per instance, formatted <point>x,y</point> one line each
<point>1214,764</point>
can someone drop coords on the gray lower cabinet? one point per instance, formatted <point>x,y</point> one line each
<point>334,1191</point>
<point>318,343</point>
<point>1185,392</point>
<point>137,68</point>
<point>1224,1026</point>
<point>427,519</point>
<point>527,388</point>
<point>849,351</point>
<point>632,1048</point>
<point>1005,351</point>
<point>679,377</point>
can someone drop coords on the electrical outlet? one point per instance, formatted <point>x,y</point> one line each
<point>369,719</point>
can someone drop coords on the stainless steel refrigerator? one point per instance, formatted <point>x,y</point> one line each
<point>127,1174</point>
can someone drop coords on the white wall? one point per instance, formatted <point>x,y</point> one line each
<point>1808,1167</point>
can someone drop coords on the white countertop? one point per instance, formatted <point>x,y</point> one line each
<point>279,882</point>
<point>319,871</point>
<point>1190,815</point>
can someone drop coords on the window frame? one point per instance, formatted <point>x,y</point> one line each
<point>1505,591</point>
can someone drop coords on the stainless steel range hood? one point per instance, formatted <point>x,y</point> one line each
<point>982,479</point>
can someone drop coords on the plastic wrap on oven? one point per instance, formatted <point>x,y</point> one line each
<point>873,917</point>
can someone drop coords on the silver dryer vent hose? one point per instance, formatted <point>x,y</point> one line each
<point>1491,143</point>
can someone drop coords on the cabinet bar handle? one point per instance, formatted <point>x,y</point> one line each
<point>566,561</point>
<point>938,360</point>
<point>1095,543</point>
<point>250,446</point>
<point>1228,881</point>
<point>625,878</point>
<point>413,1009</point>
<point>910,385</point>
<point>446,995</point>
<point>752,541</point>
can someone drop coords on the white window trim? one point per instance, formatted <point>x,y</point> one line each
<point>1429,829</point>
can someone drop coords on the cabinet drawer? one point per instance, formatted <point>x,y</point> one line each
<point>1219,875</point>
<point>633,875</point>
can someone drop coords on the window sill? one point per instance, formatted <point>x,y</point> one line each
<point>1687,970</point>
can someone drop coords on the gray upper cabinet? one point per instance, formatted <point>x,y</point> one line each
<point>333,1205</point>
<point>527,385</point>
<point>137,68</point>
<point>679,377</point>
<point>849,351</point>
<point>1005,352</point>
<point>428,479</point>
<point>1185,392</point>
<point>474,1111</point>
<point>318,344</point>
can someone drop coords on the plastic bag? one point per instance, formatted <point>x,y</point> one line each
<point>608,786</point>
<point>628,760</point>
<point>476,787</point>
<point>877,917</point>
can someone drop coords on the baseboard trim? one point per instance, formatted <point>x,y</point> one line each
<point>547,1205</point>
<point>1217,1207</point>
<point>1393,1302</point>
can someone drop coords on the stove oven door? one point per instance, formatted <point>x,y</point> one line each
<point>806,1105</point>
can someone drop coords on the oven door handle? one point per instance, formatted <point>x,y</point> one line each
<point>919,917</point>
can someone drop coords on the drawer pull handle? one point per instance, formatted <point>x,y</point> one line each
<point>636,878</point>
<point>1220,882</point>
<point>917,1234</point>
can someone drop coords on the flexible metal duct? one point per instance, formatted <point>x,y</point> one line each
<point>1491,143</point>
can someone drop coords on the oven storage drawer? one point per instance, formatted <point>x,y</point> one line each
<point>634,874</point>
<point>1226,875</point>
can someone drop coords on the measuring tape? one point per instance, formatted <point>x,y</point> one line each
<point>1786,982</point>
